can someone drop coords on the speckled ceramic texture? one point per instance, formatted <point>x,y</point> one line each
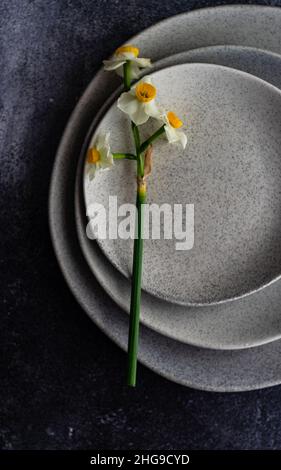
<point>240,324</point>
<point>199,368</point>
<point>231,172</point>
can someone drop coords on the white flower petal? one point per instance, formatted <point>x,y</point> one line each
<point>140,116</point>
<point>164,118</point>
<point>100,141</point>
<point>152,109</point>
<point>135,68</point>
<point>127,103</point>
<point>118,60</point>
<point>135,71</point>
<point>105,165</point>
<point>113,64</point>
<point>182,138</point>
<point>171,134</point>
<point>142,63</point>
<point>145,79</point>
<point>106,160</point>
<point>106,157</point>
<point>126,56</point>
<point>91,170</point>
<point>174,135</point>
<point>103,140</point>
<point>107,137</point>
<point>120,72</point>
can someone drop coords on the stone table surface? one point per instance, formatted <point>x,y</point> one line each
<point>62,380</point>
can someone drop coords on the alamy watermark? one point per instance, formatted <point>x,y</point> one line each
<point>160,221</point>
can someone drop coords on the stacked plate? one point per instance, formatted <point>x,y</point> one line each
<point>211,315</point>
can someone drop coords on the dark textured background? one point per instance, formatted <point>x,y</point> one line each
<point>62,379</point>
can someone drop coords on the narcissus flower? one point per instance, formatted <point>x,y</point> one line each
<point>121,55</point>
<point>99,156</point>
<point>172,129</point>
<point>139,102</point>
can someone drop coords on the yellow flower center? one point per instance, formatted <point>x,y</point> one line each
<point>123,49</point>
<point>145,92</point>
<point>93,155</point>
<point>174,120</point>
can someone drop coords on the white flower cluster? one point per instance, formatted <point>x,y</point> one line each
<point>139,103</point>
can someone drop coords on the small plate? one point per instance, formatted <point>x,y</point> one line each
<point>230,171</point>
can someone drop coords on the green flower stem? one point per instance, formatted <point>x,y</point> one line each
<point>136,294</point>
<point>124,156</point>
<point>152,138</point>
<point>137,270</point>
<point>127,75</point>
<point>140,159</point>
<point>133,338</point>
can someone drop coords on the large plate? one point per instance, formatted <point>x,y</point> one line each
<point>247,322</point>
<point>199,368</point>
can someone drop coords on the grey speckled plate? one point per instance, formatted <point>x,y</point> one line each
<point>199,368</point>
<point>231,172</point>
<point>247,322</point>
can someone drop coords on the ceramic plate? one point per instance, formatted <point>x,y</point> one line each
<point>230,172</point>
<point>238,324</point>
<point>200,368</point>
